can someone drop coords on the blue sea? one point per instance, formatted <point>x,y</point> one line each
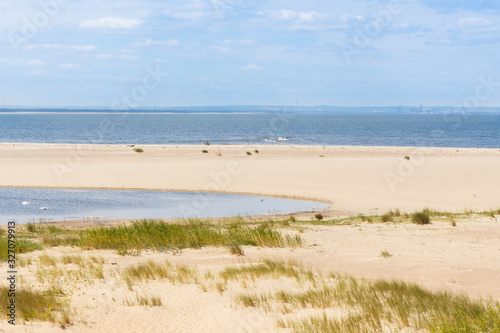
<point>430,130</point>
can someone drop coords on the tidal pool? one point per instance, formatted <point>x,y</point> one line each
<point>46,205</point>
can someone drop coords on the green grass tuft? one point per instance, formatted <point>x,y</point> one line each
<point>421,217</point>
<point>162,236</point>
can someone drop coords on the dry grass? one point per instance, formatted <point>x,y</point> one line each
<point>35,305</point>
<point>373,306</point>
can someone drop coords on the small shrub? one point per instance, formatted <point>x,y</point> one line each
<point>204,151</point>
<point>421,218</point>
<point>318,217</point>
<point>53,229</point>
<point>138,150</point>
<point>387,217</point>
<point>292,218</point>
<point>285,223</point>
<point>31,227</point>
<point>321,155</point>
<point>385,254</point>
<point>407,158</point>
<point>249,153</point>
<point>256,151</point>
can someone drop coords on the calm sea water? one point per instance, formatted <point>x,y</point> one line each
<point>46,205</point>
<point>287,128</point>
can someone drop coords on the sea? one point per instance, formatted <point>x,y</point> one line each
<point>289,128</point>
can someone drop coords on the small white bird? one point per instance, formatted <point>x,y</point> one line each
<point>26,203</point>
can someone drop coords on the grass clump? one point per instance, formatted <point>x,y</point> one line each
<point>31,227</point>
<point>72,259</point>
<point>34,305</point>
<point>153,271</point>
<point>249,153</point>
<point>318,216</point>
<point>236,250</point>
<point>22,246</point>
<point>149,300</point>
<point>387,217</point>
<point>138,150</point>
<point>385,254</point>
<point>162,236</point>
<point>204,151</point>
<point>374,306</point>
<point>421,217</point>
<point>267,268</point>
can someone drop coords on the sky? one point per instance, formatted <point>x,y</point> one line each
<point>243,52</point>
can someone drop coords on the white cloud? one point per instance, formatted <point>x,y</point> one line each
<point>113,56</point>
<point>190,16</point>
<point>473,22</point>
<point>111,23</point>
<point>247,42</point>
<point>295,16</point>
<point>35,63</point>
<point>129,57</point>
<point>475,30</point>
<point>149,42</point>
<point>250,67</point>
<point>105,56</point>
<point>79,48</point>
<point>35,73</point>
<point>68,66</point>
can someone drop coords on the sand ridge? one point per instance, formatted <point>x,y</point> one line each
<point>355,179</point>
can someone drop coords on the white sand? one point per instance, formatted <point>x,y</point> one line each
<point>465,258</point>
<point>354,179</point>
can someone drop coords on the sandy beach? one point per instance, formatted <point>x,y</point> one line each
<point>355,180</point>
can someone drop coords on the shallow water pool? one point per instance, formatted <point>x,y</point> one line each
<point>46,205</point>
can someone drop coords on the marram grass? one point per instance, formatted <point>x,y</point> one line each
<point>162,236</point>
<point>367,306</point>
<point>22,246</point>
<point>34,305</point>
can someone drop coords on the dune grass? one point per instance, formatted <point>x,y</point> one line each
<point>35,305</point>
<point>368,306</point>
<point>162,236</point>
<point>267,268</point>
<point>421,217</point>
<point>152,271</point>
<point>22,246</point>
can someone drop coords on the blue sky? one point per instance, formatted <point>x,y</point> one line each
<point>231,52</point>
